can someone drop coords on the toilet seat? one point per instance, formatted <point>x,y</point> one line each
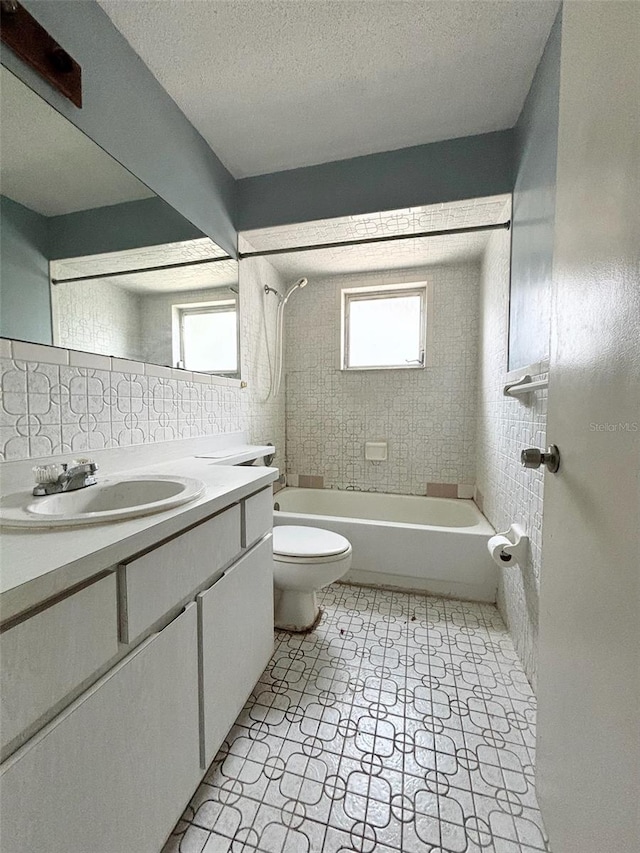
<point>293,543</point>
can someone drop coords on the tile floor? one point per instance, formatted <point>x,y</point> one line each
<point>403,723</point>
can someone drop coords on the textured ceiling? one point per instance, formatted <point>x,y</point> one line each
<point>201,277</point>
<point>50,166</point>
<point>403,254</point>
<point>276,84</point>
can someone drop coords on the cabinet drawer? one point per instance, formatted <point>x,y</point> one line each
<point>258,516</point>
<point>236,637</point>
<point>113,772</point>
<point>156,582</point>
<point>49,654</point>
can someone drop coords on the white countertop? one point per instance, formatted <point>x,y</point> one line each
<point>37,564</point>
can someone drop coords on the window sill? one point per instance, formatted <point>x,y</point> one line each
<point>381,367</point>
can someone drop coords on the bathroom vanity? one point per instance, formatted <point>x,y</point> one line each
<point>127,652</point>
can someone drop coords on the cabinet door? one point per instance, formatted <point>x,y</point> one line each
<point>113,772</point>
<point>236,633</point>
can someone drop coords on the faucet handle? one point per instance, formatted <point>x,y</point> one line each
<point>46,473</point>
<point>86,462</point>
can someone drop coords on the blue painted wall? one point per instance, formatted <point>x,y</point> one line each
<point>536,136</point>
<point>127,112</point>
<point>25,301</point>
<point>446,171</point>
<point>148,222</point>
<point>30,241</point>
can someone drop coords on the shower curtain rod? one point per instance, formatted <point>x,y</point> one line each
<point>470,229</point>
<point>141,269</point>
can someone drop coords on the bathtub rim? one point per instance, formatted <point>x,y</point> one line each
<point>482,528</point>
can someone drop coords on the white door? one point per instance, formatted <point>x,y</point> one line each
<point>589,704</point>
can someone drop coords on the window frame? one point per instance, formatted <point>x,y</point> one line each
<point>421,288</point>
<point>223,306</point>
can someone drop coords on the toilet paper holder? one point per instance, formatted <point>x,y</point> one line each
<point>509,547</point>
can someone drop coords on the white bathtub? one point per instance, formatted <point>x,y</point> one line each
<point>436,545</point>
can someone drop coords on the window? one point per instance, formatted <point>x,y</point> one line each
<point>209,337</point>
<point>384,327</point>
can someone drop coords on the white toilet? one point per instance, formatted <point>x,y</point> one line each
<point>305,560</point>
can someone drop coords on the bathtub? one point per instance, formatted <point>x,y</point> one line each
<point>435,545</point>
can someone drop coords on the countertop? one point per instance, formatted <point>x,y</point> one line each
<point>37,564</point>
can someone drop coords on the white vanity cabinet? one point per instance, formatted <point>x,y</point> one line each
<point>236,641</point>
<point>111,773</point>
<point>167,646</point>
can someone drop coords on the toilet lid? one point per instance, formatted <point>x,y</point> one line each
<point>294,541</point>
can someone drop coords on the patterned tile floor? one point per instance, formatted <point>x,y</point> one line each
<point>403,723</point>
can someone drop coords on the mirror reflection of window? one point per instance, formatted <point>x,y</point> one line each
<point>91,259</point>
<point>209,338</point>
<point>129,304</point>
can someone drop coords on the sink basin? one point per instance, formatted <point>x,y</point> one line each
<point>111,499</point>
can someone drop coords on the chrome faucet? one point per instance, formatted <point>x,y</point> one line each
<point>53,479</point>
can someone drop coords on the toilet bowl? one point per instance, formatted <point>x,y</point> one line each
<point>305,559</point>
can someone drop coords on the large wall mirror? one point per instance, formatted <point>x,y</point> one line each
<point>92,260</point>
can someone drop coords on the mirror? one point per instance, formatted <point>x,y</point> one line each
<point>92,260</point>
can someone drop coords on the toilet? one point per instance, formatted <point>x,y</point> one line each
<point>305,559</point>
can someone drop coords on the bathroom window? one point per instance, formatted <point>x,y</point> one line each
<point>209,337</point>
<point>384,327</point>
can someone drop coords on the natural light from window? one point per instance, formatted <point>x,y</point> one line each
<point>209,341</point>
<point>384,329</point>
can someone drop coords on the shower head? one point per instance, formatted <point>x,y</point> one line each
<point>301,282</point>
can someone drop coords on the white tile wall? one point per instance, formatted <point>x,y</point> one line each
<point>97,316</point>
<point>508,491</point>
<point>427,416</point>
<point>431,217</point>
<point>264,418</point>
<point>49,406</point>
<point>145,256</point>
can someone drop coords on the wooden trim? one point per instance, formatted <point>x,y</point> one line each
<point>32,43</point>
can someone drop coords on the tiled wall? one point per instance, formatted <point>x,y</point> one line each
<point>56,401</point>
<point>265,416</point>
<point>506,491</point>
<point>427,416</point>
<point>97,316</point>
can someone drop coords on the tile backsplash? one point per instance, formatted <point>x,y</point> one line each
<point>428,416</point>
<point>55,408</point>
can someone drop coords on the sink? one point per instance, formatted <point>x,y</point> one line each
<point>111,499</point>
